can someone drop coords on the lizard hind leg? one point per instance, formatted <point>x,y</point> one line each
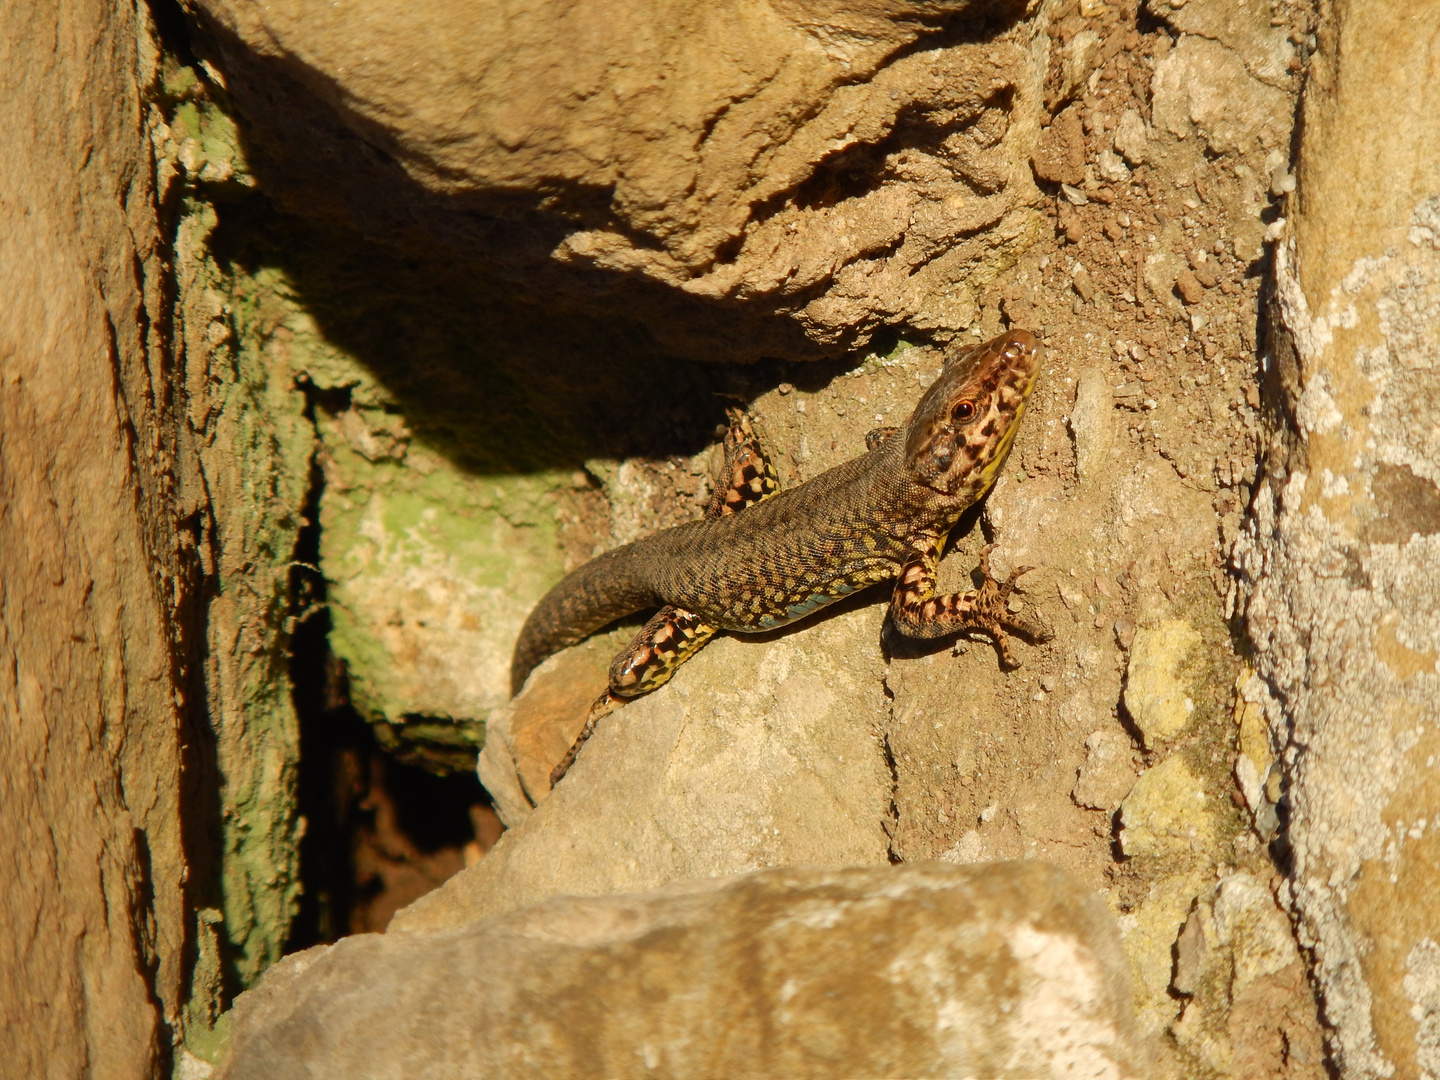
<point>671,637</point>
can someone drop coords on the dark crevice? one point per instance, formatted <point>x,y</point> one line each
<point>173,31</point>
<point>379,832</point>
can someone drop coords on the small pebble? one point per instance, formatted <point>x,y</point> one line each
<point>1189,287</point>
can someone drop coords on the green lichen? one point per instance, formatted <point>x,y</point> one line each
<point>255,446</point>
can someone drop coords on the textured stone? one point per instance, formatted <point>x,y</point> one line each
<point>1132,139</point>
<point>1242,26</point>
<point>99,588</point>
<point>1237,967</point>
<point>1339,593</point>
<point>1157,682</point>
<point>1111,167</point>
<point>1091,424</point>
<point>1005,969</point>
<point>1108,772</point>
<point>1168,812</point>
<point>757,754</point>
<point>1189,287</point>
<point>674,150</point>
<point>1060,155</point>
<point>1202,83</point>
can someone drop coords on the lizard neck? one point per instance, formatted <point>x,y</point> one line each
<point>900,493</point>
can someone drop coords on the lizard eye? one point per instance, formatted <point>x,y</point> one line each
<point>964,412</point>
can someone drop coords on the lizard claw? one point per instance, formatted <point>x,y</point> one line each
<point>996,618</point>
<point>1008,585</point>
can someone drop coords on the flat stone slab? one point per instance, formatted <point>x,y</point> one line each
<point>921,970</point>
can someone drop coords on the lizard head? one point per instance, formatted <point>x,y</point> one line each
<point>962,429</point>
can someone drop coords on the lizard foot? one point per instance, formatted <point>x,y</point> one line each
<point>991,614</point>
<point>604,705</point>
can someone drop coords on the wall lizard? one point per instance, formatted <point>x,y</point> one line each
<point>762,558</point>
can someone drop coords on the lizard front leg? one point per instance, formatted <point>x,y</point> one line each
<point>673,635</point>
<point>879,436</point>
<point>919,613</point>
<point>747,476</point>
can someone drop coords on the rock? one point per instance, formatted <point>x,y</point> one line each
<point>1157,694</point>
<point>758,753</point>
<point>1111,167</point>
<point>1242,26</point>
<point>1189,287</point>
<point>649,142</point>
<point>1132,140</point>
<point>1255,764</point>
<point>1077,61</point>
<point>1167,813</point>
<point>1191,954</point>
<point>1338,589</point>
<point>1108,772</point>
<point>1091,424</point>
<point>1248,921</point>
<point>1238,968</point>
<point>1149,931</point>
<point>1160,270</point>
<point>891,971</point>
<point>1059,157</point>
<point>100,481</point>
<point>1205,269</point>
<point>530,737</point>
<point>1204,84</point>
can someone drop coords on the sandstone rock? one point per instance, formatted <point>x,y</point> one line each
<point>1149,931</point>
<point>1237,966</point>
<point>905,971</point>
<point>1339,592</point>
<point>105,601</point>
<point>1189,287</point>
<point>1242,26</point>
<point>1202,83</point>
<point>1111,167</point>
<point>1157,691</point>
<point>1167,812</point>
<point>673,151</point>
<point>1108,772</point>
<point>1159,270</point>
<point>1132,139</point>
<point>1091,424</point>
<point>756,754</point>
<point>1077,61</point>
<point>1204,268</point>
<point>1060,155</point>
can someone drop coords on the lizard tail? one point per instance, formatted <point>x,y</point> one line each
<point>615,584</point>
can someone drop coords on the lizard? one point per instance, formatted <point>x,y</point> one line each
<point>763,558</point>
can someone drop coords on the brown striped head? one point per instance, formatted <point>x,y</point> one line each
<point>961,431</point>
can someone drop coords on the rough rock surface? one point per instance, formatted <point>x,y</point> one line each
<point>851,165</point>
<point>1341,596</point>
<point>96,585</point>
<point>1008,969</point>
<point>771,754</point>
